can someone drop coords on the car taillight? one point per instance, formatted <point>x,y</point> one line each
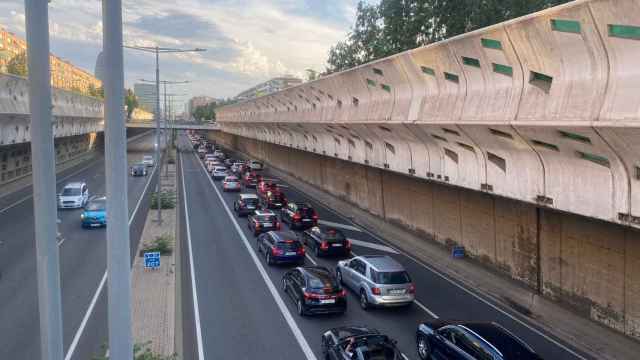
<point>348,244</point>
<point>324,245</point>
<point>297,217</point>
<point>342,293</point>
<point>300,251</point>
<point>310,295</point>
<point>412,289</point>
<point>258,226</point>
<point>278,226</point>
<point>315,217</point>
<point>376,291</point>
<point>276,251</point>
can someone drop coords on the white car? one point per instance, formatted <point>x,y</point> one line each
<point>218,154</point>
<point>147,160</point>
<point>73,196</point>
<point>255,165</point>
<point>219,173</point>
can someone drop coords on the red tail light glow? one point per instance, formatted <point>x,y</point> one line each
<point>376,291</point>
<point>324,245</point>
<point>296,217</point>
<point>301,251</point>
<point>342,293</point>
<point>276,251</point>
<point>278,226</point>
<point>412,289</point>
<point>348,244</point>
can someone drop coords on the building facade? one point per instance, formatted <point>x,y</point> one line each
<point>196,101</point>
<point>268,87</point>
<point>64,75</point>
<point>146,94</point>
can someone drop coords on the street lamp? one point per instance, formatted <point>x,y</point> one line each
<point>157,51</point>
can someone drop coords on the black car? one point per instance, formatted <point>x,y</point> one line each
<point>326,241</point>
<point>454,340</point>
<point>246,204</point>
<point>360,343</point>
<point>299,215</point>
<point>138,170</point>
<point>315,290</point>
<point>262,221</point>
<point>281,247</point>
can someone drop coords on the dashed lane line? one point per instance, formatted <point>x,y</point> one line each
<point>373,246</point>
<point>340,226</point>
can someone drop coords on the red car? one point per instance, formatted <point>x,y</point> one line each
<point>266,185</point>
<point>272,198</point>
<point>249,179</point>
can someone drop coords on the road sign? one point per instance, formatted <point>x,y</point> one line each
<point>152,260</point>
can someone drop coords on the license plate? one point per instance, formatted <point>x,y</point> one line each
<point>267,224</point>
<point>306,220</point>
<point>396,292</point>
<point>336,245</point>
<point>290,253</point>
<point>95,225</point>
<point>328,301</point>
<point>251,207</point>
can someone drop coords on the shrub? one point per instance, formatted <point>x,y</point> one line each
<point>167,200</point>
<point>141,352</point>
<point>162,244</point>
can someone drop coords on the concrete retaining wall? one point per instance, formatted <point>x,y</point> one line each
<point>590,265</point>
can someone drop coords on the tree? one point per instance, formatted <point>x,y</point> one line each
<point>131,101</point>
<point>18,65</point>
<point>312,75</point>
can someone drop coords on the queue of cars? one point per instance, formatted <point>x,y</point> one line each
<point>376,280</point>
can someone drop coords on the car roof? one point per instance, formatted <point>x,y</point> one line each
<point>285,235</point>
<point>500,338</point>
<point>318,272</point>
<point>382,263</point>
<point>248,196</point>
<point>231,177</point>
<point>75,184</point>
<point>344,332</point>
<point>264,212</point>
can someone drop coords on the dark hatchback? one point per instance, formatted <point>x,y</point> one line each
<point>281,247</point>
<point>246,204</point>
<point>314,290</point>
<point>454,340</point>
<point>299,215</point>
<point>262,221</point>
<point>366,344</point>
<point>138,170</point>
<point>326,241</point>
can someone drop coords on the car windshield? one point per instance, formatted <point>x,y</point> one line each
<point>322,280</point>
<point>146,158</point>
<point>251,201</point>
<point>265,218</point>
<point>390,277</point>
<point>334,236</point>
<point>231,179</point>
<point>306,211</point>
<point>289,245</point>
<point>71,192</point>
<point>379,351</point>
<point>138,166</point>
<point>97,205</point>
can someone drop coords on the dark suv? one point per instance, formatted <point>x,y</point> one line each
<point>281,247</point>
<point>326,241</point>
<point>263,221</point>
<point>315,290</point>
<point>299,215</point>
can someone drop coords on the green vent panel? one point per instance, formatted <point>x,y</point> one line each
<point>500,133</point>
<point>384,128</point>
<point>439,138</point>
<point>574,136</point>
<point>451,154</point>
<point>378,72</point>
<point>624,31</point>
<point>449,131</point>
<point>466,146</point>
<point>371,82</point>
<point>390,147</point>
<point>570,26</point>
<point>451,77</point>
<point>471,61</point>
<point>428,70</point>
<point>491,44</point>
<point>502,69</point>
<point>545,145</point>
<point>536,76</point>
<point>385,87</point>
<point>637,172</point>
<point>497,161</point>
<point>600,160</point>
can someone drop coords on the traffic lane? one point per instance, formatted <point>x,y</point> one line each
<point>239,317</point>
<point>18,287</point>
<point>441,296</point>
<point>390,321</point>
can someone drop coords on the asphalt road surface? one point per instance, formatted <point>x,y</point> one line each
<point>82,267</point>
<point>240,311</point>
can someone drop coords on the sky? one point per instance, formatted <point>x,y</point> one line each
<point>247,41</point>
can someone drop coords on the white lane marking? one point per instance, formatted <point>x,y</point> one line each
<point>431,313</point>
<point>283,308</point>
<point>311,259</point>
<point>340,226</point>
<point>194,292</point>
<point>373,246</point>
<point>57,181</point>
<point>96,295</point>
<point>404,356</point>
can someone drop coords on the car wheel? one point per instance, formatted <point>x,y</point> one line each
<point>269,259</point>
<point>422,346</point>
<point>316,251</point>
<point>300,308</point>
<point>364,302</point>
<point>284,285</point>
<point>339,277</point>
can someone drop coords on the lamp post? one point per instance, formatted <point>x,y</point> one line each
<point>157,51</point>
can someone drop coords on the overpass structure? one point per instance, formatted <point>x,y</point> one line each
<point>520,141</point>
<point>173,125</point>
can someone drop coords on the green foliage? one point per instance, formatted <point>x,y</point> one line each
<point>205,112</point>
<point>18,65</point>
<point>312,75</point>
<point>394,26</point>
<point>141,352</point>
<point>96,92</point>
<point>131,101</point>
<point>167,200</point>
<point>162,244</point>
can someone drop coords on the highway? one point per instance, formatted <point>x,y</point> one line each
<point>82,266</point>
<point>234,306</point>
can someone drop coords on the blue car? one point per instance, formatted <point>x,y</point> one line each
<point>281,247</point>
<point>95,213</point>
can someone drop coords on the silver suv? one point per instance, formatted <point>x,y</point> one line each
<point>379,280</point>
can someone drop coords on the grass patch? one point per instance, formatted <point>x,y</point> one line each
<point>162,244</point>
<point>167,199</point>
<point>141,352</point>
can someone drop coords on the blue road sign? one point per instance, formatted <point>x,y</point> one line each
<point>152,260</point>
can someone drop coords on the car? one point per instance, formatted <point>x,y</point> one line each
<point>201,152</point>
<point>262,221</point>
<point>378,280</point>
<point>231,183</point>
<point>281,247</point>
<point>265,185</point>
<point>272,198</point>
<point>456,340</point>
<point>255,165</point>
<point>209,157</point>
<point>326,241</point>
<point>314,290</point>
<point>95,213</point>
<point>196,146</point>
<point>73,196</point>
<point>360,343</point>
<point>299,215</point>
<point>138,169</point>
<point>238,168</point>
<point>228,162</point>
<point>219,173</point>
<point>147,160</point>
<point>219,154</point>
<point>246,204</point>
<point>249,179</point>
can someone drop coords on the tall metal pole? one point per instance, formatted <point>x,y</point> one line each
<point>157,148</point>
<point>166,128</point>
<point>118,246</point>
<point>44,180</point>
